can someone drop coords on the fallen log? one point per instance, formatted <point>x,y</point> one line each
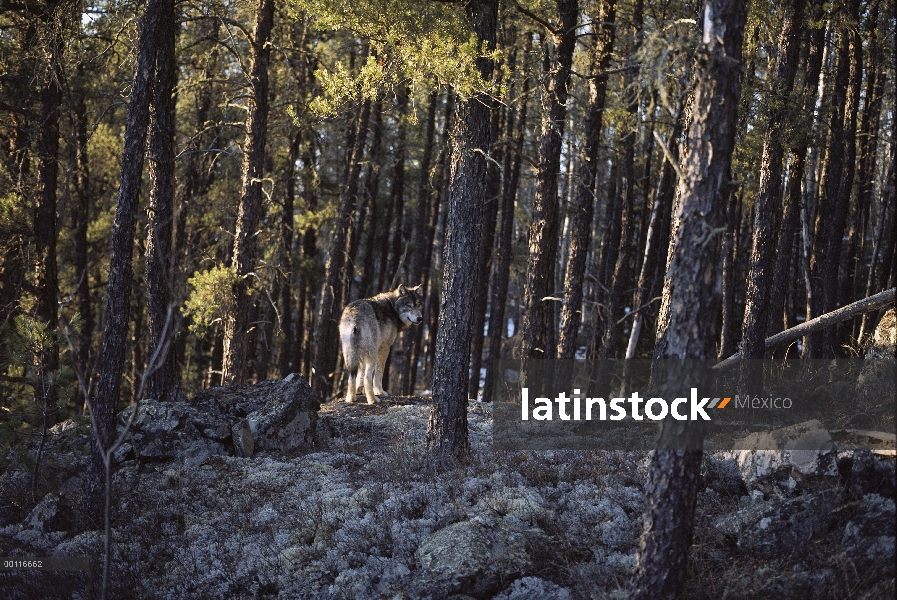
<point>859,307</point>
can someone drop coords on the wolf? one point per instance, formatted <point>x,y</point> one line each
<point>367,329</point>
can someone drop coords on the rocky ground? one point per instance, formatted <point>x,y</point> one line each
<point>364,512</point>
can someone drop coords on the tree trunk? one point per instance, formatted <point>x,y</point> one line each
<point>768,207</point>
<point>162,383</point>
<point>45,222</point>
<point>730,260</point>
<point>831,214</point>
<point>369,194</point>
<point>411,337</point>
<point>118,300</point>
<point>658,227</point>
<point>487,242</point>
<point>236,324</point>
<point>625,195</point>
<point>328,315</point>
<point>395,262</point>
<point>447,428</point>
<point>691,296</point>
<point>544,229</point>
<point>584,204</point>
<point>80,221</point>
<point>286,361</point>
<point>501,273</point>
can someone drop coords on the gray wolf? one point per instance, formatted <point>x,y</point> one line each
<point>367,329</point>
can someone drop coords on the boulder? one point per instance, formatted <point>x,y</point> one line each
<point>163,431</point>
<point>771,528</point>
<point>47,516</point>
<point>471,558</point>
<point>868,541</point>
<point>786,455</point>
<point>863,472</point>
<point>237,419</point>
<point>284,422</point>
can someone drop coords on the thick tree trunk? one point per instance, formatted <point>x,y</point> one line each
<point>691,296</point>
<point>768,207</point>
<point>584,200</point>
<point>396,245</point>
<point>544,229</point>
<point>487,242</point>
<point>162,383</point>
<point>326,337</point>
<point>370,192</point>
<point>447,428</point>
<point>118,300</point>
<point>236,324</point>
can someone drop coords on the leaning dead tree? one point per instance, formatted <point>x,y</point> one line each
<point>866,305</point>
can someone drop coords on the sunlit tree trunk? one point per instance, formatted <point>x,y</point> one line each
<point>236,324</point>
<point>543,235</point>
<point>447,428</point>
<point>691,298</point>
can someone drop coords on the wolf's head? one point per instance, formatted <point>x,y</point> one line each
<point>409,304</point>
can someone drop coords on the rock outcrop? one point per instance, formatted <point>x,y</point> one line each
<point>238,419</point>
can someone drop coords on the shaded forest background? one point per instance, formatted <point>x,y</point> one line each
<point>299,156</point>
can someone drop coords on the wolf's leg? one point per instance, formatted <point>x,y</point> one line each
<point>351,388</point>
<point>382,355</point>
<point>369,382</point>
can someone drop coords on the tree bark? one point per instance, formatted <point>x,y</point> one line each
<point>768,207</point>
<point>691,296</point>
<point>236,324</point>
<point>118,300</point>
<point>162,383</point>
<point>544,229</point>
<point>447,427</point>
<point>487,242</point>
<point>584,203</point>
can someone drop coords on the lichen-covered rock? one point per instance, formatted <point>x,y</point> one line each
<point>472,558</point>
<point>771,528</point>
<point>285,421</point>
<point>238,419</point>
<point>164,431</point>
<point>805,449</point>
<point>866,473</point>
<point>723,476</point>
<point>47,515</point>
<point>868,540</point>
<point>884,340</point>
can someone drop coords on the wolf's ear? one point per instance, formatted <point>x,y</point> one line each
<point>401,290</point>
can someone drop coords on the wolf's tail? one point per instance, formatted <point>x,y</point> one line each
<point>350,349</point>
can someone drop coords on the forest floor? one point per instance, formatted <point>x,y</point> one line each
<point>369,514</point>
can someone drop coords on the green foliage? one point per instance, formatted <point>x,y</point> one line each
<point>210,298</point>
<point>413,40</point>
<point>26,344</point>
